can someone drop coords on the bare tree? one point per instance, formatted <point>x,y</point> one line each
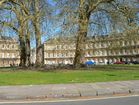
<point>21,12</point>
<point>85,10</point>
<point>119,13</point>
<point>36,23</point>
<point>30,14</point>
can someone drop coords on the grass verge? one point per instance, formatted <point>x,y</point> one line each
<point>97,74</point>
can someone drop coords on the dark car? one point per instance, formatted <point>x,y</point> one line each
<point>134,62</point>
<point>126,62</point>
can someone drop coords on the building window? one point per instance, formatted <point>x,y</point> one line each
<point>13,55</point>
<point>66,54</point>
<point>8,55</point>
<point>48,55</point>
<point>58,47</point>
<point>123,43</point>
<point>12,46</point>
<point>133,42</point>
<point>3,46</point>
<point>7,46</point>
<point>51,55</point>
<point>124,52</point>
<point>2,55</point>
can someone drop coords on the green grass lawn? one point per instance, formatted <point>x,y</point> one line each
<point>20,77</point>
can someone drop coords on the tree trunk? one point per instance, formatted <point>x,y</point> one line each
<point>81,36</point>
<point>38,45</point>
<point>27,52</point>
<point>22,51</point>
<point>36,24</point>
<point>27,39</point>
<point>80,45</point>
<point>38,51</point>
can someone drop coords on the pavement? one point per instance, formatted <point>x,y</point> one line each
<point>69,90</point>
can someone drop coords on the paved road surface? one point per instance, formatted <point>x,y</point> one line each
<point>112,101</point>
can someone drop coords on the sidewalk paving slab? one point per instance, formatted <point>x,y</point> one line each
<point>68,90</point>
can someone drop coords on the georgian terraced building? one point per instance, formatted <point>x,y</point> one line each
<point>9,52</point>
<point>57,51</point>
<point>100,49</point>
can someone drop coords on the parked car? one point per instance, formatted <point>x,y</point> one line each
<point>119,62</point>
<point>134,62</point>
<point>89,63</point>
<point>126,62</point>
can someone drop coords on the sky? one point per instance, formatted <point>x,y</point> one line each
<point>52,28</point>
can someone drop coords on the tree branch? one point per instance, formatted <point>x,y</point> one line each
<point>94,6</point>
<point>2,1</point>
<point>9,25</point>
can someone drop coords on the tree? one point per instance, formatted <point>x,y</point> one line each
<point>21,12</point>
<point>119,13</point>
<point>30,14</point>
<point>36,23</point>
<point>86,7</point>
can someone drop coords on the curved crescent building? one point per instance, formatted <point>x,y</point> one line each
<point>101,49</point>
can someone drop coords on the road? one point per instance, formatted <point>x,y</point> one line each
<point>131,100</point>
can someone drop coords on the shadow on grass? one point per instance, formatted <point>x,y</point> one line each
<point>93,68</point>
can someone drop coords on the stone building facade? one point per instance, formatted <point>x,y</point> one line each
<point>33,56</point>
<point>59,51</point>
<point>101,49</point>
<point>9,52</point>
